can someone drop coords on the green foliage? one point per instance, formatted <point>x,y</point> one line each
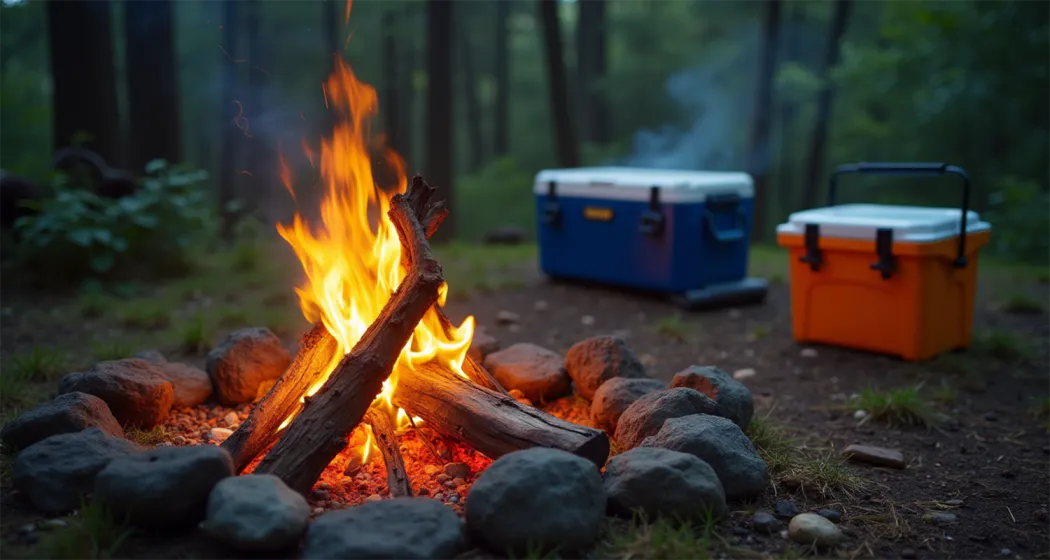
<point>107,350</point>
<point>1003,345</point>
<point>499,194</point>
<point>794,466</point>
<point>40,364</point>
<point>196,334</point>
<point>1022,303</point>
<point>78,234</point>
<point>94,533</point>
<point>671,326</point>
<point>147,438</point>
<point>1017,211</point>
<point>660,538</point>
<point>904,406</point>
<point>147,315</point>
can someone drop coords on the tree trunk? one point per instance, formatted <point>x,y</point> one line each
<point>151,80</point>
<point>391,107</point>
<point>499,140</point>
<point>232,112</point>
<point>260,143</point>
<point>761,152</point>
<point>470,100</point>
<point>815,162</point>
<point>84,77</point>
<point>564,134</point>
<point>590,63</point>
<point>439,104</point>
<point>788,169</point>
<point>330,28</point>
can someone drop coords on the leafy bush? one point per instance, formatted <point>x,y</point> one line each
<point>1017,212</point>
<point>77,234</point>
<point>497,195</point>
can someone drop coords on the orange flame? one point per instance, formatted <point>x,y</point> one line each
<point>353,262</point>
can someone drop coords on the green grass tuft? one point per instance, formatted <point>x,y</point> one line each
<point>777,448</point>
<point>671,326</point>
<point>40,364</point>
<point>1003,345</point>
<point>147,438</point>
<point>794,466</point>
<point>662,538</point>
<point>758,332</point>
<point>93,304</point>
<point>945,394</point>
<point>111,350</point>
<point>147,315</point>
<point>904,406</point>
<point>1022,304</point>
<point>246,256</point>
<point>195,336</point>
<point>93,533</point>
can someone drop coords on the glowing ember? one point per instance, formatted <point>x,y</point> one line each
<point>353,265</point>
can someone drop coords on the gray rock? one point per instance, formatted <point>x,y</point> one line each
<point>940,518</point>
<point>646,415</point>
<point>786,509</point>
<point>56,472</point>
<point>615,395</point>
<point>870,454</point>
<point>831,515</point>
<point>65,414</point>
<point>811,529</point>
<point>536,497</point>
<point>660,482</point>
<point>243,361</point>
<point>598,359</point>
<point>721,444</point>
<point>192,386</point>
<point>733,398</point>
<point>764,522</point>
<point>136,391</point>
<point>163,487</point>
<point>151,356</point>
<point>533,370</point>
<point>394,529</point>
<point>482,344</point>
<point>256,512</point>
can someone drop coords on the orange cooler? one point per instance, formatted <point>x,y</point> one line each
<point>898,280</point>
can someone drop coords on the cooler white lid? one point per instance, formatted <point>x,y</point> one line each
<point>917,224</point>
<point>633,183</point>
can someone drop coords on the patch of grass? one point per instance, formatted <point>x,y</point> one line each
<point>1002,345</point>
<point>671,326</point>
<point>662,538</point>
<point>39,364</point>
<point>16,388</point>
<point>246,256</point>
<point>480,268</point>
<point>94,533</point>
<point>945,394</point>
<point>758,332</point>
<point>233,318</point>
<point>195,336</point>
<point>777,448</point>
<point>147,438</point>
<point>961,363</point>
<point>1022,304</point>
<point>904,406</point>
<point>826,475</point>
<point>1043,276</point>
<point>93,304</point>
<point>147,315</point>
<point>111,350</point>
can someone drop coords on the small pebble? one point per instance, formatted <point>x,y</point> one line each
<point>955,502</point>
<point>453,499</point>
<point>443,478</point>
<point>319,495</point>
<point>587,320</point>
<point>909,554</point>
<point>439,497</point>
<point>26,529</point>
<point>458,481</point>
<point>940,517</point>
<point>830,514</point>
<point>742,374</point>
<point>231,419</point>
<point>457,470</point>
<point>809,353</point>
<point>764,522</point>
<point>431,470</point>
<point>859,414</point>
<point>450,484</point>
<point>53,524</point>
<point>318,510</point>
<point>1005,552</point>
<point>785,509</point>
<point>507,317</point>
<point>373,498</point>
<point>739,531</point>
<point>541,305</point>
<point>423,491</point>
<point>179,440</point>
<point>991,417</point>
<point>219,435</point>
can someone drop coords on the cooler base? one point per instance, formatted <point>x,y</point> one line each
<point>740,292</point>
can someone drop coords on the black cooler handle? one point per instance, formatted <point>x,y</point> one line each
<point>912,170</point>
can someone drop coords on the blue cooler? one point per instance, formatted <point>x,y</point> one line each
<point>681,233</point>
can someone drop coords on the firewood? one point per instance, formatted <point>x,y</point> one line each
<point>490,422</point>
<point>386,440</point>
<point>320,431</point>
<point>316,352</point>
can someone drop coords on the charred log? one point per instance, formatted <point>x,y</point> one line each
<point>386,440</point>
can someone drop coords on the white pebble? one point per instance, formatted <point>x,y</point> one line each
<point>587,320</point>
<point>219,435</point>
<point>860,414</point>
<point>808,353</point>
<point>746,373</point>
<point>541,305</point>
<point>231,419</point>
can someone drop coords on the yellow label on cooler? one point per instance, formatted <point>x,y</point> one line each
<point>597,213</point>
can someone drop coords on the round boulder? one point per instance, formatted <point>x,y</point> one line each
<point>536,497</point>
<point>732,397</point>
<point>615,395</point>
<point>533,370</point>
<point>256,512</point>
<point>65,414</point>
<point>646,415</point>
<point>136,391</point>
<point>192,386</point>
<point>243,361</point>
<point>598,359</point>
<point>56,472</point>
<point>721,444</point>
<point>397,528</point>
<point>163,487</point>
<point>661,482</point>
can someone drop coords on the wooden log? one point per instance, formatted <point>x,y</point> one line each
<point>320,431</point>
<point>386,440</point>
<point>316,353</point>
<point>490,422</point>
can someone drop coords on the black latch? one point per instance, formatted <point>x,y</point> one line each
<point>812,256</point>
<point>884,248</point>
<point>551,211</point>
<point>652,222</point>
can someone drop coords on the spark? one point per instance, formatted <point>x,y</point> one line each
<point>236,60</point>
<point>240,120</point>
<point>246,172</point>
<point>325,90</point>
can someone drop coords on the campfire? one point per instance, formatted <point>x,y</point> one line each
<point>382,355</point>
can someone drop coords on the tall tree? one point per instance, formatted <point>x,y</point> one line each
<point>151,81</point>
<point>564,133</point>
<point>761,147</point>
<point>256,187</point>
<point>232,116</point>
<point>500,119</point>
<point>476,143</point>
<point>791,49</point>
<point>83,76</point>
<point>392,106</point>
<point>439,106</point>
<point>818,143</point>
<point>590,67</point>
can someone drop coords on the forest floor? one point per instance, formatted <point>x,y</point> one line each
<point>982,455</point>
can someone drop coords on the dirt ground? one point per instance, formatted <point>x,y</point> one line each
<point>987,459</point>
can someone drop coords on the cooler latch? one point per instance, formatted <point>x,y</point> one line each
<point>652,222</point>
<point>884,248</point>
<point>551,210</point>
<point>812,256</point>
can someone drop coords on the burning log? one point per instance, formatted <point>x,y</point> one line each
<point>385,435</point>
<point>491,422</point>
<point>320,431</point>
